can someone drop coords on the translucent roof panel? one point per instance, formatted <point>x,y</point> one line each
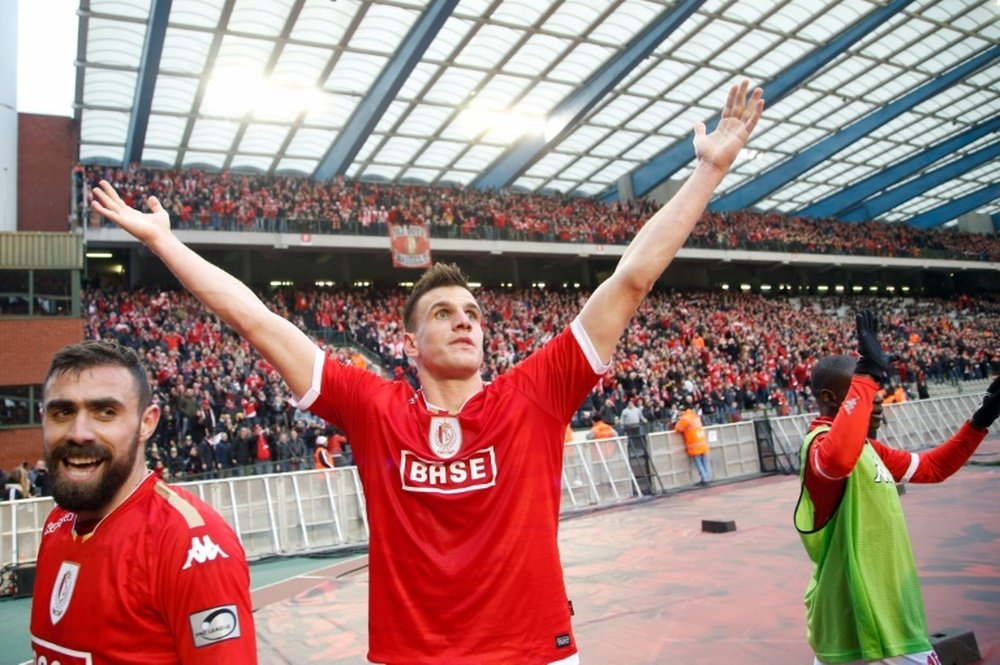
<point>271,86</point>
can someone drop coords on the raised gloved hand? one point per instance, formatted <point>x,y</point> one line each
<point>990,408</point>
<point>873,361</point>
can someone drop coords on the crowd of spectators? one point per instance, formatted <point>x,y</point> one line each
<point>24,482</point>
<point>225,411</point>
<point>247,202</point>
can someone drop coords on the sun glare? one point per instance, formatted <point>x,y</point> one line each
<point>234,94</point>
<point>498,126</point>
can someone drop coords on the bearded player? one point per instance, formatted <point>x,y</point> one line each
<point>129,570</point>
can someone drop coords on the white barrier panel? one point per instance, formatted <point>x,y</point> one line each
<point>909,425</point>
<point>307,511</point>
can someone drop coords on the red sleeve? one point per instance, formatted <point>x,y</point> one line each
<point>345,392</point>
<point>833,455</point>
<point>556,377</point>
<point>205,591</point>
<point>936,464</point>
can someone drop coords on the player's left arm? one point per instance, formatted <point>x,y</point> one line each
<point>934,465</point>
<point>205,594</point>
<point>944,460</point>
<point>615,301</point>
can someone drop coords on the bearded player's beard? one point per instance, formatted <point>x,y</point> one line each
<point>95,493</point>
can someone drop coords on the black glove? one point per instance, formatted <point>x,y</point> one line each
<point>873,361</point>
<point>990,409</point>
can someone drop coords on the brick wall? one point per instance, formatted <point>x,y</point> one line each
<point>46,152</point>
<point>26,348</point>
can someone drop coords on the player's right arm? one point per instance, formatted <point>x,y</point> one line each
<point>834,454</point>
<point>284,345</point>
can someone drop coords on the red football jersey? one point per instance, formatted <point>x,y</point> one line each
<point>162,579</point>
<point>464,508</point>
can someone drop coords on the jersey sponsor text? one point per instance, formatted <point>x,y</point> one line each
<point>475,472</point>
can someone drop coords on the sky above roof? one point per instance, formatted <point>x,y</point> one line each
<point>46,49</point>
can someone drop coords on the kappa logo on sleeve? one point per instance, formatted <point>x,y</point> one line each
<point>216,624</point>
<point>202,551</point>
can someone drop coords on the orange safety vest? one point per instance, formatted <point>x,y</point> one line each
<point>694,433</point>
<point>602,430</point>
<point>898,396</point>
<point>322,457</point>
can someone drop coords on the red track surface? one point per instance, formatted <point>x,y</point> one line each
<point>649,587</point>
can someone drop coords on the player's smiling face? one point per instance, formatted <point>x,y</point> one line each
<point>92,433</point>
<point>448,339</point>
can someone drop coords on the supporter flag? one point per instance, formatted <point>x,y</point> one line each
<point>410,245</point>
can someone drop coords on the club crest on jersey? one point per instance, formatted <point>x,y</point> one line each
<point>445,436</point>
<point>62,590</point>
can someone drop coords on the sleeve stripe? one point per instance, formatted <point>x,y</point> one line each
<point>912,469</point>
<point>588,349</point>
<point>187,511</point>
<point>306,401</point>
<point>814,452</point>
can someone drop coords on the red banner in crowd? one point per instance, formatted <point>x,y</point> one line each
<point>410,245</point>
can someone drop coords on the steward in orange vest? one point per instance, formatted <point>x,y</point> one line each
<point>690,426</point>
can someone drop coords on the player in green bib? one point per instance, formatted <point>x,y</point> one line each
<point>863,602</point>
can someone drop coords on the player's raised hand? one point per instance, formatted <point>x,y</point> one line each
<point>739,117</point>
<point>146,227</point>
<point>989,410</point>
<point>874,361</point>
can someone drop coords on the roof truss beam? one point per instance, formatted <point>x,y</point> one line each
<point>845,199</point>
<point>149,68</point>
<point>745,196</point>
<point>956,208</point>
<point>672,159</point>
<point>383,91</point>
<point>878,205</point>
<point>567,115</point>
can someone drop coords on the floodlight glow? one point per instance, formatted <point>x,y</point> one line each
<point>499,126</point>
<point>234,94</point>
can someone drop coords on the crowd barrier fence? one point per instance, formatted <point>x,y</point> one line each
<point>307,512</point>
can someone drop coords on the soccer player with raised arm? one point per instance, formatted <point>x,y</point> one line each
<point>461,477</point>
<point>863,602</point>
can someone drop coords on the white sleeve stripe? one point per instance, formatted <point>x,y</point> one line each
<point>914,463</point>
<point>306,400</point>
<point>815,458</point>
<point>588,349</point>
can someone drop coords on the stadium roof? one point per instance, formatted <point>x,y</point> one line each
<point>886,110</point>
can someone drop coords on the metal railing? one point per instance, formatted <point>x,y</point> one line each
<point>311,511</point>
